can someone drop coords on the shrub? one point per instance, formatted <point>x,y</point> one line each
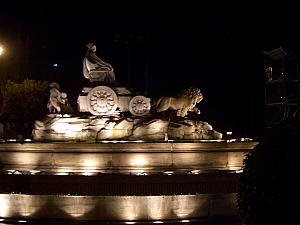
<point>23,103</point>
<point>269,190</point>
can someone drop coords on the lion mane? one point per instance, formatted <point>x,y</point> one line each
<point>184,102</point>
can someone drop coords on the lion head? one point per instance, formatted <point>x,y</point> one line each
<point>192,93</point>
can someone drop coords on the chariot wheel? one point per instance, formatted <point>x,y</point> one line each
<point>102,100</point>
<point>139,105</point>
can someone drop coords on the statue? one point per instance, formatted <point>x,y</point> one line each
<point>183,103</point>
<point>65,105</point>
<point>108,111</point>
<point>58,101</point>
<point>95,69</point>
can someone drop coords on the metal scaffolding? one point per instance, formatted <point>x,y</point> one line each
<point>282,98</point>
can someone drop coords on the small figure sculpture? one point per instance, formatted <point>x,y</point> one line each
<point>58,102</point>
<point>65,105</point>
<point>183,103</point>
<point>95,69</point>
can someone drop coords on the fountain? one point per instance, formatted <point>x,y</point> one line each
<point>121,157</point>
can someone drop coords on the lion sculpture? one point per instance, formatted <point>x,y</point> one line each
<point>183,103</point>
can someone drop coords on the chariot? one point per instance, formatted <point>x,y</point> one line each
<point>107,101</point>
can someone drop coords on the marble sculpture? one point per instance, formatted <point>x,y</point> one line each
<point>108,111</point>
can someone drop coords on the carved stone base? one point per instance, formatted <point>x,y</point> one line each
<point>56,127</point>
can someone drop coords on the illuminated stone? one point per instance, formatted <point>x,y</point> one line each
<point>117,114</point>
<point>183,103</point>
<point>116,208</point>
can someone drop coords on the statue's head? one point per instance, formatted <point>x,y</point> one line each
<point>54,85</point>
<point>91,46</point>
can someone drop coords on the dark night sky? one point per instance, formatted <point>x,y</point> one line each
<point>167,47</point>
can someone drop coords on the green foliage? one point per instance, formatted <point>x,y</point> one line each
<point>24,103</point>
<point>269,186</point>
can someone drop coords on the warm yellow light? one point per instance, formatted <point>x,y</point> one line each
<point>157,208</point>
<point>76,206</point>
<point>139,161</point>
<point>34,172</point>
<point>185,205</point>
<point>28,206</point>
<point>89,173</point>
<point>169,172</point>
<point>131,208</point>
<point>62,173</point>
<point>1,50</point>
<point>4,205</point>
<point>196,172</point>
<point>229,132</point>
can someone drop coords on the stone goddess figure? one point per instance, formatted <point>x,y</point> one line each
<point>95,69</point>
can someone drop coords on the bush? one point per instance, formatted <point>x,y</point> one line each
<point>24,103</point>
<point>269,190</point>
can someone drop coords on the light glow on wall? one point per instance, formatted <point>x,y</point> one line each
<point>25,158</point>
<point>24,205</point>
<point>235,160</point>
<point>132,208</point>
<point>121,208</point>
<point>77,206</point>
<point>157,207</point>
<point>90,165</point>
<point>139,161</point>
<point>184,206</point>
<point>1,50</point>
<point>27,205</point>
<point>90,162</point>
<point>4,206</point>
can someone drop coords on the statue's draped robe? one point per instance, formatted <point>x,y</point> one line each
<point>97,70</point>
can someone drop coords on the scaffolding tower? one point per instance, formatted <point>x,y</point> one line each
<point>282,99</point>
